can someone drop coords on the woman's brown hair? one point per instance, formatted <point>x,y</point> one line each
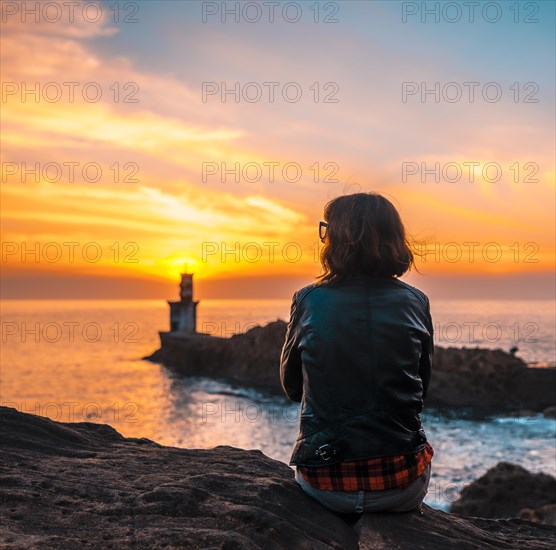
<point>365,234</point>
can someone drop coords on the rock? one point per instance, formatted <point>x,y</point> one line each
<point>550,412</point>
<point>247,359</point>
<point>544,514</point>
<point>437,530</point>
<point>482,382</point>
<point>471,383</point>
<point>504,491</point>
<point>83,485</point>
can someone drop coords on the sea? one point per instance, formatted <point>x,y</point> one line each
<point>81,361</point>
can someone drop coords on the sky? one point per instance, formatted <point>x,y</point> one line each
<point>140,139</point>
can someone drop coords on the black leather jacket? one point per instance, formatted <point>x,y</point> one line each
<point>358,357</point>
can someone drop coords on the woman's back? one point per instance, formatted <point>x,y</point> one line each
<point>364,347</point>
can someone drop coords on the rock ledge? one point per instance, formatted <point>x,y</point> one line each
<point>84,485</point>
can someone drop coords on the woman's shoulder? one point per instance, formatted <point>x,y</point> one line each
<point>302,292</point>
<point>421,296</point>
<point>320,288</point>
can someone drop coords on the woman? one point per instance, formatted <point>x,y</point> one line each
<point>358,356</point>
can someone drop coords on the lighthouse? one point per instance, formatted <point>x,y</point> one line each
<point>183,314</point>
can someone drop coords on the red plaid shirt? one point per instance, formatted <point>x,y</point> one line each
<point>371,474</point>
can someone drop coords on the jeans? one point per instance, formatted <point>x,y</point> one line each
<point>389,500</point>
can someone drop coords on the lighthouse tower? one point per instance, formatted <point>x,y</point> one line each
<point>183,314</point>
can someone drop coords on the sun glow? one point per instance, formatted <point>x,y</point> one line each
<point>173,266</point>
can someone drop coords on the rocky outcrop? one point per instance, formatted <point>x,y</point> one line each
<point>508,490</point>
<point>84,485</point>
<point>474,382</point>
<point>247,359</point>
<point>543,514</point>
<point>488,382</point>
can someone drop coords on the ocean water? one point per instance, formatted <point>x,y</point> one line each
<point>82,361</point>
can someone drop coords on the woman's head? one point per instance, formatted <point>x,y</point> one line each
<point>365,234</point>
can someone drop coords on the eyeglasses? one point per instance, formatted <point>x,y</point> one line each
<point>322,231</point>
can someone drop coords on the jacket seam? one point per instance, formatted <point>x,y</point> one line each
<point>414,291</point>
<point>300,294</point>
